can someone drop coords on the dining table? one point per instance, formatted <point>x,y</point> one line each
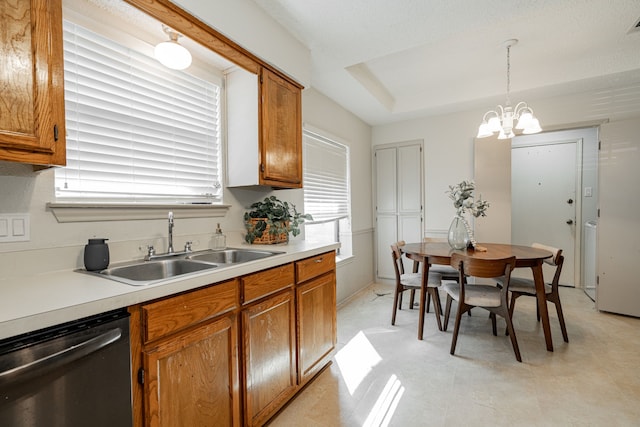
<point>428,253</point>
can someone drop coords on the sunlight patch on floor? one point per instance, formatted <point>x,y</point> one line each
<point>386,405</point>
<point>356,360</point>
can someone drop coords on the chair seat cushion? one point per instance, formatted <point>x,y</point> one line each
<point>478,295</point>
<point>414,280</point>
<point>445,270</point>
<point>525,286</point>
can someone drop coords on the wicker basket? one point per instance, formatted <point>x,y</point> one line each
<point>268,238</point>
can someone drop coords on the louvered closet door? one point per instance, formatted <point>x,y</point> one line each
<point>398,190</point>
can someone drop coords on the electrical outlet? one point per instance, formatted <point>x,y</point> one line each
<point>14,228</point>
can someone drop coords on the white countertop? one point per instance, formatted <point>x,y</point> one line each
<point>33,302</point>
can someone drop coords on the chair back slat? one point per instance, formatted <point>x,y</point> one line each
<point>485,268</point>
<point>488,296</point>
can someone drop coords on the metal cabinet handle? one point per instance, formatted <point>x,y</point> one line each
<point>319,260</point>
<point>569,221</point>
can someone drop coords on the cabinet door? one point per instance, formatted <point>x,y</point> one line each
<point>192,379</point>
<point>398,206</point>
<point>268,333</point>
<point>281,132</point>
<point>317,332</point>
<point>32,126</point>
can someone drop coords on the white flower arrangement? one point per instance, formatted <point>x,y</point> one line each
<point>463,201</point>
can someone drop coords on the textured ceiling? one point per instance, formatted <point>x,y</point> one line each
<point>392,60</point>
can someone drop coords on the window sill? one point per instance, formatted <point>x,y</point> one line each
<point>89,212</point>
<point>344,259</point>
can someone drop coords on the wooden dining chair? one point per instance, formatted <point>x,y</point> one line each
<point>525,286</point>
<point>492,298</point>
<point>412,282</point>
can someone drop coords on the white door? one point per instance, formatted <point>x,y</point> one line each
<point>544,206</point>
<point>618,287</point>
<point>398,190</point>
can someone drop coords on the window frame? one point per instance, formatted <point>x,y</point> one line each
<point>342,228</point>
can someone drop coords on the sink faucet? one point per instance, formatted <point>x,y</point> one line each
<point>170,249</point>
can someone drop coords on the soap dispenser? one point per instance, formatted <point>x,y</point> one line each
<point>219,239</point>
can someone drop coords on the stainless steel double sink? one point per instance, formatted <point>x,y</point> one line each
<point>140,273</point>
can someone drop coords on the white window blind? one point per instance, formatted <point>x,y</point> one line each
<point>326,178</point>
<point>136,131</point>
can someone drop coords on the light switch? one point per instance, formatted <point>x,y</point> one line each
<point>588,192</point>
<point>14,227</point>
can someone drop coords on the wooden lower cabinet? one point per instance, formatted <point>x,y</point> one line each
<point>233,353</point>
<point>185,359</point>
<point>190,379</point>
<point>317,332</point>
<point>269,353</point>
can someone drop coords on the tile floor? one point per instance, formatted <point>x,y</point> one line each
<point>382,375</point>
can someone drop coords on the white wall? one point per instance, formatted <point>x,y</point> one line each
<point>449,142</point>
<point>325,115</point>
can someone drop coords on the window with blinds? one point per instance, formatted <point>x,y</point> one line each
<point>326,188</point>
<point>136,131</point>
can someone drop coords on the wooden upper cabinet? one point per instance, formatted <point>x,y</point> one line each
<point>264,130</point>
<point>281,132</point>
<point>32,128</point>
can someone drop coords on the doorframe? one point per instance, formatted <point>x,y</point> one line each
<point>577,244</point>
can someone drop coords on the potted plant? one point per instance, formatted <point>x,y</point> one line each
<point>271,220</point>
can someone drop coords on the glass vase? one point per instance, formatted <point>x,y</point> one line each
<point>458,236</point>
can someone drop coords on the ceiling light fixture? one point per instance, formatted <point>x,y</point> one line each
<point>172,54</point>
<point>501,120</point>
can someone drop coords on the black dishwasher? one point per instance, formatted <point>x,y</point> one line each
<point>74,374</point>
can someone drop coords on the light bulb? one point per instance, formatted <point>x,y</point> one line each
<point>532,127</point>
<point>172,55</point>
<point>484,131</point>
<point>525,120</point>
<point>494,124</point>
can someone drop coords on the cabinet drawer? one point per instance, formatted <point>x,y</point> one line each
<point>258,285</point>
<point>170,315</point>
<point>315,266</point>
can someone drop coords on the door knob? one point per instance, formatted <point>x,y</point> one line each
<point>570,201</point>
<point>569,221</point>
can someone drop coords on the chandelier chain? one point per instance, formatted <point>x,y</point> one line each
<point>505,119</point>
<point>508,74</point>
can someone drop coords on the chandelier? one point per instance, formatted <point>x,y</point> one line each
<point>501,120</point>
